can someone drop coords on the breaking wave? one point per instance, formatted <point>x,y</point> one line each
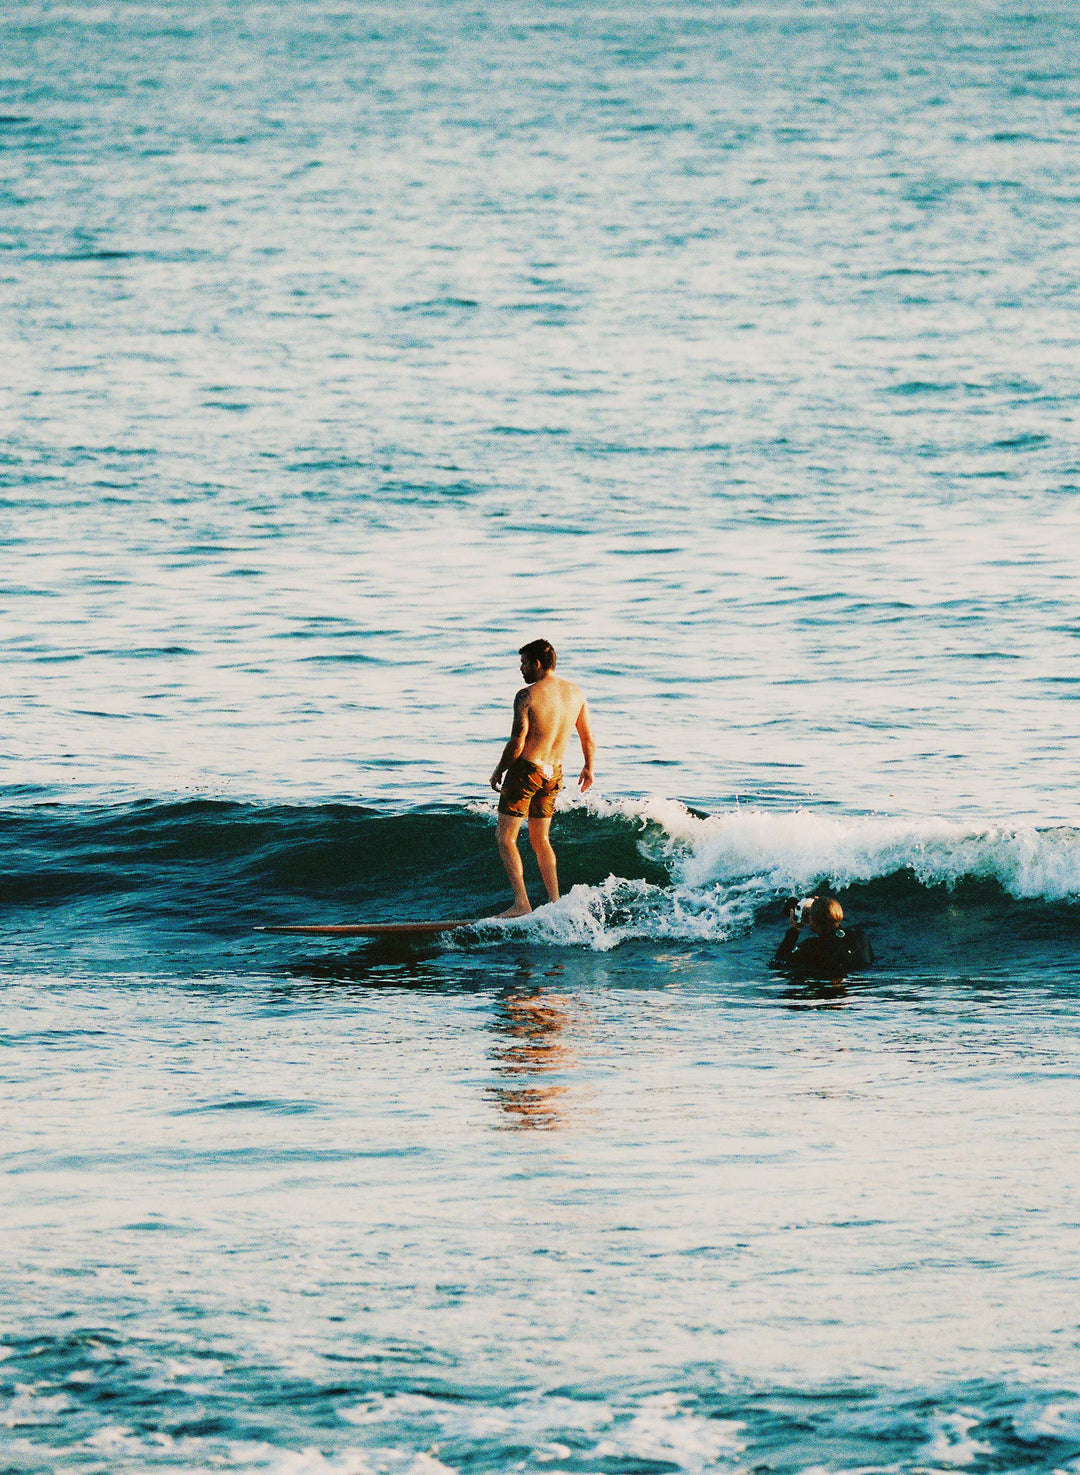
<point>724,872</point>
<point>630,869</point>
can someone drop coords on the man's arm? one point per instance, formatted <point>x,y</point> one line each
<point>588,746</point>
<point>788,946</point>
<point>790,940</point>
<point>516,741</point>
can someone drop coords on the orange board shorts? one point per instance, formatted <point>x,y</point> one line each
<point>528,792</point>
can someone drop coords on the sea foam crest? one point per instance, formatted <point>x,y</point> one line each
<point>795,850</point>
<point>725,868</point>
<point>618,909</point>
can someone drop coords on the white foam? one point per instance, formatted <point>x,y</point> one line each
<point>427,1464</point>
<point>793,850</point>
<point>601,917</point>
<point>663,1430</point>
<point>950,1443</point>
<point>378,1408</point>
<point>725,867</point>
<point>312,1461</point>
<point>533,1418</point>
<point>1037,1421</point>
<point>29,1408</point>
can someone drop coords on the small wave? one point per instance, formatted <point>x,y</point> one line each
<point>650,869</point>
<point>919,386</point>
<point>1023,441</point>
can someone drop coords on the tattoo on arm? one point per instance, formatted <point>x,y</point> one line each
<point>516,740</point>
<point>521,715</point>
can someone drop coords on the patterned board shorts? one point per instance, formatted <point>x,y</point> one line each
<point>528,792</point>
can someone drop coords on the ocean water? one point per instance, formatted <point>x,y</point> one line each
<point>731,346</point>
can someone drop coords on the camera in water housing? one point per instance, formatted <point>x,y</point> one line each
<point>799,908</point>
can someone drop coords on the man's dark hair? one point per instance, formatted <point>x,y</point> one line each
<point>540,651</point>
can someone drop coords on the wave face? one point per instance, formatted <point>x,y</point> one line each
<point>630,871</point>
<point>725,873</point>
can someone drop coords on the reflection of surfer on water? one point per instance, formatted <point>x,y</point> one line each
<point>529,1044</point>
<point>546,711</point>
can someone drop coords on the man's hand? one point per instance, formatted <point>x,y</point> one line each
<point>798,913</point>
<point>497,778</point>
<point>585,779</point>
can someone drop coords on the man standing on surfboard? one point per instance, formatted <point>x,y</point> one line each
<point>546,711</point>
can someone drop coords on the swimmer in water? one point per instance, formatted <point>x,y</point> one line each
<point>831,950</point>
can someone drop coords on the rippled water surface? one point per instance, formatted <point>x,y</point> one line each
<point>732,346</point>
<point>506,1213</point>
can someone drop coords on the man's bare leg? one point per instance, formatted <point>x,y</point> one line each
<point>540,840</point>
<point>506,837</point>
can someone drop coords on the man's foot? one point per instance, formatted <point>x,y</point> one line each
<point>516,911</point>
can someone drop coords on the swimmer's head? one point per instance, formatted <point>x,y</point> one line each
<point>826,914</point>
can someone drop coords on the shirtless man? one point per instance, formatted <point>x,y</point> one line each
<point>546,711</point>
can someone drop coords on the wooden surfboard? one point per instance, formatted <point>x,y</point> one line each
<point>378,929</point>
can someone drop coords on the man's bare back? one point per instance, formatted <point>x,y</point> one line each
<point>546,712</point>
<point>549,709</point>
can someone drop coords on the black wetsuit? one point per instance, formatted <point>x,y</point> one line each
<point>828,956</point>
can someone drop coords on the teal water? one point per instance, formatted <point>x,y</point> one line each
<point>347,346</point>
